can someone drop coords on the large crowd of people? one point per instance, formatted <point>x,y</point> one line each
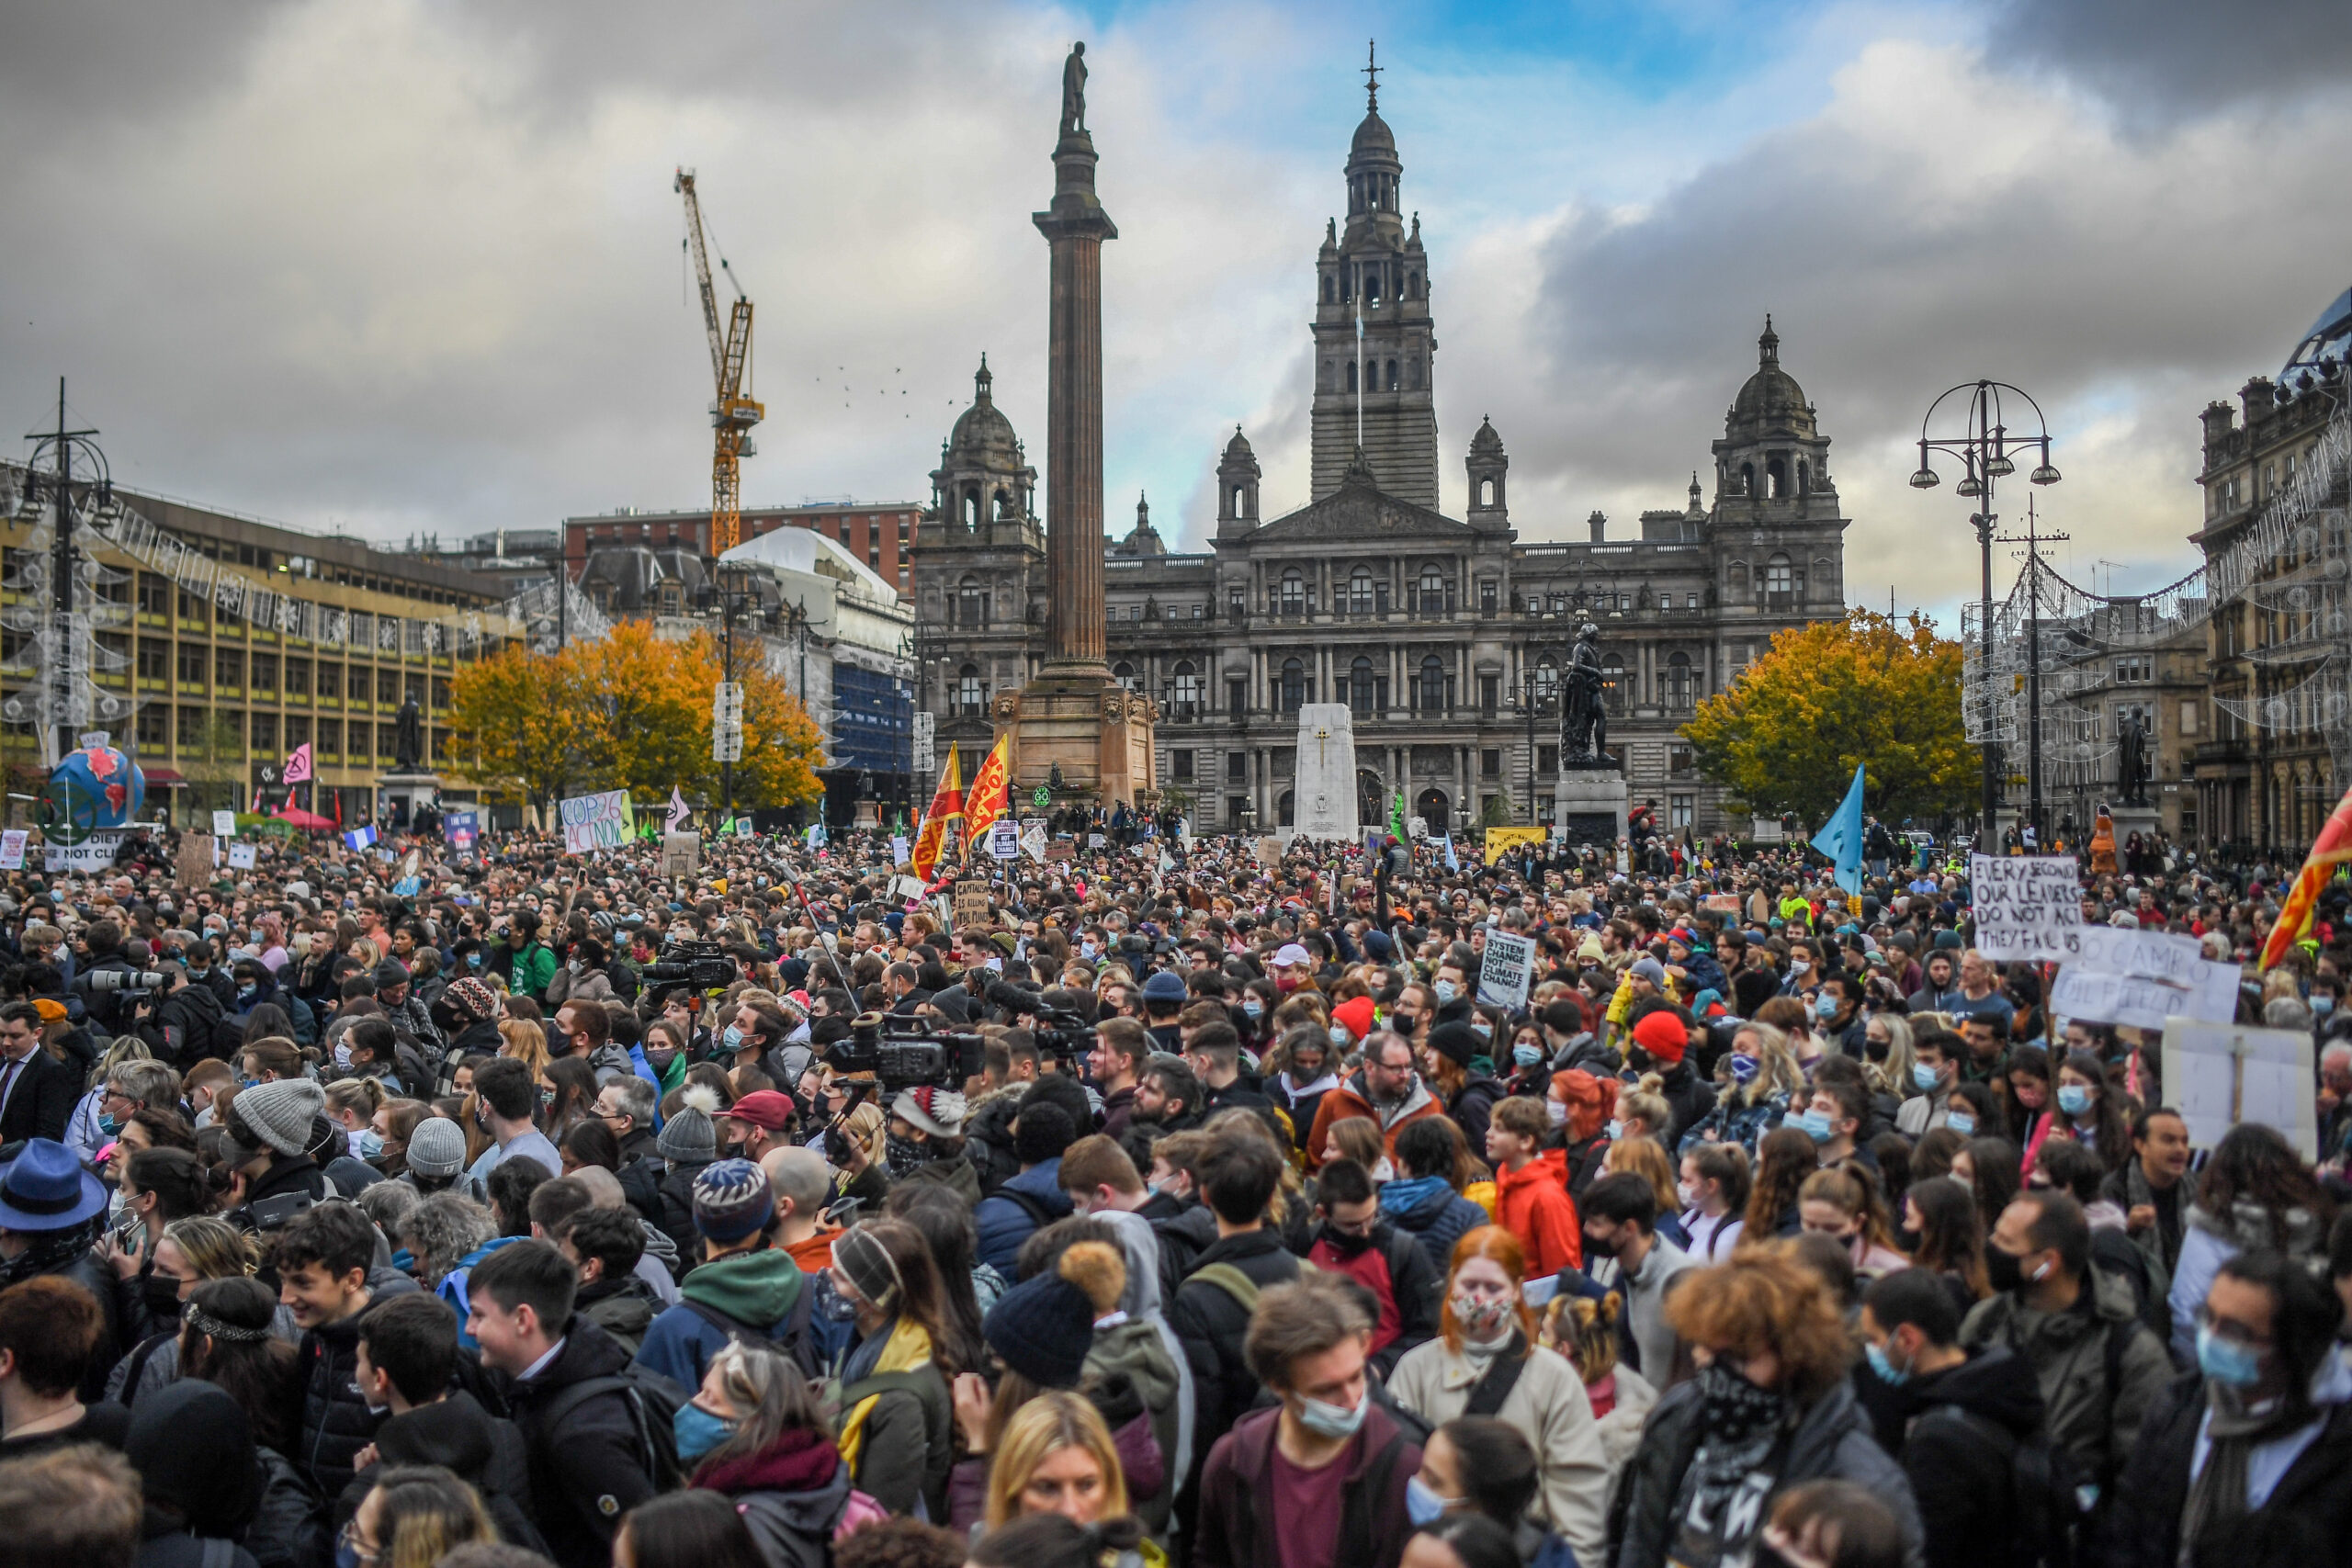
<point>1191,1202</point>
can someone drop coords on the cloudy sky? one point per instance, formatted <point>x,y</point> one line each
<point>402,266</point>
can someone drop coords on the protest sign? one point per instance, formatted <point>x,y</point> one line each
<point>408,887</point>
<point>12,848</point>
<point>199,852</point>
<point>1500,841</point>
<point>461,828</point>
<point>1270,851</point>
<point>241,857</point>
<point>94,853</point>
<point>1722,903</point>
<point>1061,848</point>
<point>1509,965</point>
<point>1094,841</point>
<point>224,824</point>
<point>1004,838</point>
<point>681,854</point>
<point>2025,904</point>
<point>1033,838</point>
<point>909,887</point>
<point>972,903</point>
<point>2219,1074</point>
<point>2091,996</point>
<point>898,849</point>
<point>596,821</point>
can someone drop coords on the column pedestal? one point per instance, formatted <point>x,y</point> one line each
<point>1589,805</point>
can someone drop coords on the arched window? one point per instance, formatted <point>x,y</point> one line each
<point>1613,682</point>
<point>1351,374</point>
<point>1735,581</point>
<point>1294,685</point>
<point>1371,286</point>
<point>1283,805</point>
<point>1678,681</point>
<point>1392,375</point>
<point>971,600</point>
<point>1294,594</point>
<point>1123,673</point>
<point>1486,493</point>
<point>1805,477</point>
<point>1330,289</point>
<point>1359,591</point>
<point>1779,581</point>
<point>1547,680</point>
<point>1748,479</point>
<point>1429,694</point>
<point>1412,286</point>
<point>1187,689</point>
<point>972,507</point>
<point>1432,591</point>
<point>970,698</point>
<point>1360,685</point>
<point>1776,480</point>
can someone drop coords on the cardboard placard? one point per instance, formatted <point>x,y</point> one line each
<point>1270,850</point>
<point>1508,971</point>
<point>910,887</point>
<point>1061,848</point>
<point>596,821</point>
<point>2220,1075</point>
<point>199,852</point>
<point>224,824</point>
<point>241,857</point>
<point>1722,903</point>
<point>12,848</point>
<point>2025,905</point>
<point>971,904</point>
<point>681,854</point>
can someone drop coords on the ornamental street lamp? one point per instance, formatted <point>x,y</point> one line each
<point>1984,446</point>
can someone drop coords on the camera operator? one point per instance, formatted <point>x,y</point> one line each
<point>102,941</point>
<point>180,1022</point>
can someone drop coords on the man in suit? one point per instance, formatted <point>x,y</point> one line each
<point>36,1092</point>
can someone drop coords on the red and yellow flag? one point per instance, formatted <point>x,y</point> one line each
<point>946,805</point>
<point>2332,850</point>
<point>989,797</point>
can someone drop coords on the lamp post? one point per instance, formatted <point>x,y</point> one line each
<point>59,446</point>
<point>1984,444</point>
<point>732,591</point>
<point>1528,704</point>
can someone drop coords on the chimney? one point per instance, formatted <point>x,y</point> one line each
<point>1599,524</point>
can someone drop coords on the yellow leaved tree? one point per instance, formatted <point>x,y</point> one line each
<point>1867,688</point>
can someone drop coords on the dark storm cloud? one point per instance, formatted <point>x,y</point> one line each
<point>2156,61</point>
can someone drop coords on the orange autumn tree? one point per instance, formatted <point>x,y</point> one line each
<point>1866,689</point>
<point>512,727</point>
<point>781,746</point>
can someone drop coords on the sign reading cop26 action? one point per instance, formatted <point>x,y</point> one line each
<point>2025,905</point>
<point>596,821</point>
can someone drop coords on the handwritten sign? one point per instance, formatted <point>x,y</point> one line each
<point>596,821</point>
<point>241,857</point>
<point>199,852</point>
<point>1500,841</point>
<point>224,824</point>
<point>1508,970</point>
<point>681,854</point>
<point>2220,1075</point>
<point>971,904</point>
<point>2025,905</point>
<point>12,848</point>
<point>1061,848</point>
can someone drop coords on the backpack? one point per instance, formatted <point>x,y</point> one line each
<point>2048,1524</point>
<point>1231,1281</point>
<point>791,1335</point>
<point>1039,1218</point>
<point>653,1402</point>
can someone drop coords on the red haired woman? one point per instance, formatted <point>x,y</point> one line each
<point>1485,1362</point>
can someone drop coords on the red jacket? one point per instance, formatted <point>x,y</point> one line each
<point>1533,1203</point>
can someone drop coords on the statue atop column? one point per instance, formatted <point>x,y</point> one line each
<point>1584,713</point>
<point>408,737</point>
<point>1074,92</point>
<point>2132,759</point>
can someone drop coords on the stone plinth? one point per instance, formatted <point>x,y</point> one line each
<point>1589,804</point>
<point>1095,730</point>
<point>401,795</point>
<point>1323,785</point>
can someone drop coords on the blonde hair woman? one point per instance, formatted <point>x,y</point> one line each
<point>1762,1080</point>
<point>1056,1457</point>
<point>526,1042</point>
<point>1584,1331</point>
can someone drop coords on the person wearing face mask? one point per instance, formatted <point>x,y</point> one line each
<point>1353,1238</point>
<point>1773,1406</point>
<point>1449,1062</point>
<point>2099,1368</point>
<point>2253,1460</point>
<point>1322,1478</point>
<point>1306,1075</point>
<point>1485,1362</point>
<point>1973,1413</point>
<point>2090,1115</point>
<point>1935,1070</point>
<point>1386,1088</point>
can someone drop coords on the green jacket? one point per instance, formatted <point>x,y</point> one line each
<point>529,968</point>
<point>2094,1394</point>
<point>1130,1372</point>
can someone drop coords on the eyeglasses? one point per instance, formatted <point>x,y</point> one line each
<point>350,1541</point>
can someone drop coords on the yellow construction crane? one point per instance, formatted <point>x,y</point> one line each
<point>732,411</point>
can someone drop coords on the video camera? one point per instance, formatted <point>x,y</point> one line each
<point>902,1052</point>
<point>689,965</point>
<point>118,993</point>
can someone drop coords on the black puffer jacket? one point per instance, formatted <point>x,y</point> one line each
<point>456,1433</point>
<point>335,1420</point>
<point>183,1027</point>
<point>2305,1522</point>
<point>1963,1474</point>
<point>1832,1440</point>
<point>1210,1323</point>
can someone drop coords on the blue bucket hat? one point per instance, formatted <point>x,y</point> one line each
<point>45,1189</point>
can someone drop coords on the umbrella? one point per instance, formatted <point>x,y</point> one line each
<point>294,816</point>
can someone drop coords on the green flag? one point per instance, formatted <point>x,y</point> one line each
<point>1397,815</point>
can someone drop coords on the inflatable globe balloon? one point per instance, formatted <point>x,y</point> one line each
<point>96,787</point>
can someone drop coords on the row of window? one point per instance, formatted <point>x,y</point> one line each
<point>226,733</point>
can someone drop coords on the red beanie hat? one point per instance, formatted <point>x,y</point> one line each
<point>1662,1034</point>
<point>1356,1013</point>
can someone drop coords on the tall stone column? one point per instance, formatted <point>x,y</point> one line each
<point>1075,226</point>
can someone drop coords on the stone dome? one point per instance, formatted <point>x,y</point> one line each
<point>1372,137</point>
<point>982,432</point>
<point>1771,396</point>
<point>1487,440</point>
<point>1239,445</point>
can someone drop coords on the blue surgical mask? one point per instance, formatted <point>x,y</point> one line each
<point>1443,991</point>
<point>1885,1369</point>
<point>108,1124</point>
<point>1616,1129</point>
<point>1927,1078</point>
<point>2321,1004</point>
<point>1527,1055</point>
<point>1332,1420</point>
<point>1422,1504</point>
<point>1340,1036</point>
<point>1817,1126</point>
<point>698,1431</point>
<point>1252,1007</point>
<point>1960,1122</point>
<point>2227,1361</point>
<point>371,1145</point>
<point>2074,1098</point>
<point>1482,1028</point>
<point>1087,950</point>
<point>1824,1005</point>
<point>733,1039</point>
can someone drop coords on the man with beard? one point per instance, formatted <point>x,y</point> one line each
<point>1167,1097</point>
<point>1386,1089</point>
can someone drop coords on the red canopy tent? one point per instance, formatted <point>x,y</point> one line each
<point>295,816</point>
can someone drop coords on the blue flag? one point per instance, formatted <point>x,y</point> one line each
<point>359,839</point>
<point>1452,862</point>
<point>1841,840</point>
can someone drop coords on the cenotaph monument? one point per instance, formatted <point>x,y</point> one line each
<point>1589,805</point>
<point>1323,783</point>
<point>1074,716</point>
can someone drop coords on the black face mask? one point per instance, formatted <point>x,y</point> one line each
<point>1908,1239</point>
<point>2005,1270</point>
<point>162,1296</point>
<point>1343,1243</point>
<point>1600,1247</point>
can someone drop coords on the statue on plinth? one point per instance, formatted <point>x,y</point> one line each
<point>1074,91</point>
<point>1584,712</point>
